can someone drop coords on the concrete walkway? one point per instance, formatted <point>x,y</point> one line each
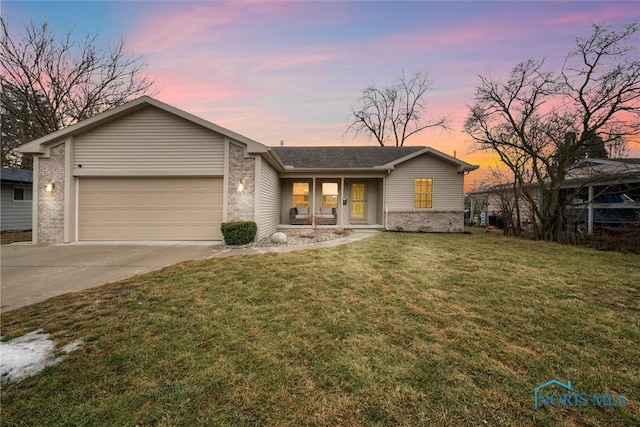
<point>33,273</point>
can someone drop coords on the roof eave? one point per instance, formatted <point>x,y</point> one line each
<point>364,169</point>
<point>462,166</point>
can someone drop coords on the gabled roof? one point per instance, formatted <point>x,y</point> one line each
<point>37,146</point>
<point>17,175</point>
<point>332,157</point>
<point>598,169</point>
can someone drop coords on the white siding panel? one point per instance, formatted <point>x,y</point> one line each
<point>146,141</point>
<point>269,201</point>
<point>447,184</point>
<point>16,215</point>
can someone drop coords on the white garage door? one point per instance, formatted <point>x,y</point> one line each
<point>150,209</point>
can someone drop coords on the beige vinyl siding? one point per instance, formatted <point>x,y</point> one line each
<point>447,184</point>
<point>268,201</point>
<point>176,208</point>
<point>149,141</point>
<point>16,215</point>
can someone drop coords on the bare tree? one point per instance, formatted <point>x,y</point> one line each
<point>394,114</point>
<point>617,148</point>
<point>538,122</point>
<point>54,82</point>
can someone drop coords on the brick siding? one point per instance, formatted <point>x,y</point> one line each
<point>51,205</point>
<point>435,221</point>
<point>241,205</point>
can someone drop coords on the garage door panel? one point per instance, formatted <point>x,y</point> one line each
<point>150,209</point>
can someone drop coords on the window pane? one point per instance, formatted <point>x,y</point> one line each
<point>300,188</point>
<point>329,194</point>
<point>330,188</point>
<point>300,194</point>
<point>423,193</point>
<point>329,201</point>
<point>18,193</point>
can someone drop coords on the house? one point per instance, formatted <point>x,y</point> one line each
<point>148,171</point>
<point>16,203</point>
<point>586,182</point>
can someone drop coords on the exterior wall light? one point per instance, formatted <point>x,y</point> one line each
<point>241,186</point>
<point>49,187</point>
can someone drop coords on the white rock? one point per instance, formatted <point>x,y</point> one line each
<point>279,238</point>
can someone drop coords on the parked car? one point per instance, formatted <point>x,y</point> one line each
<point>609,211</point>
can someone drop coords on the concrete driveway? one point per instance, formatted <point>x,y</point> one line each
<point>33,273</point>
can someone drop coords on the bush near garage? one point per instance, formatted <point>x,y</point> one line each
<point>239,232</point>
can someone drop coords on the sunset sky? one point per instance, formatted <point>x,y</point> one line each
<point>291,70</point>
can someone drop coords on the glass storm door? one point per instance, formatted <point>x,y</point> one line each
<point>358,200</point>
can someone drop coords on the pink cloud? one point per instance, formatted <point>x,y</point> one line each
<point>610,13</point>
<point>290,58</point>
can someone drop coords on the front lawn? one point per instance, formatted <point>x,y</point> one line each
<point>8,237</point>
<point>397,329</point>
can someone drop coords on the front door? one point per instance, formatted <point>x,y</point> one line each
<point>358,200</point>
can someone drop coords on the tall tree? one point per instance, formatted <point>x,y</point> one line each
<point>539,122</point>
<point>18,125</point>
<point>50,82</point>
<point>393,114</point>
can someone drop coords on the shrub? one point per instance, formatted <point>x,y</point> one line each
<point>239,232</point>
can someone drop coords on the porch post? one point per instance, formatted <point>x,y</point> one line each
<point>342,197</point>
<point>312,210</point>
<point>590,211</point>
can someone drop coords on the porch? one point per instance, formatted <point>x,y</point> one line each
<point>332,202</point>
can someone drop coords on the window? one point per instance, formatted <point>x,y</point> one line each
<point>300,194</point>
<point>423,193</point>
<point>330,195</point>
<point>22,194</point>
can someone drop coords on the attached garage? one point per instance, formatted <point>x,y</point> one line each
<point>147,171</point>
<point>168,208</point>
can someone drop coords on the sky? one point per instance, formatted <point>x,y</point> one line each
<point>291,70</point>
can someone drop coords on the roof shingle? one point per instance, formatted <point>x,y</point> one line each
<point>17,175</point>
<point>341,157</point>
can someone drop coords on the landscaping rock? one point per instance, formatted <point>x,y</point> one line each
<point>424,229</point>
<point>279,238</point>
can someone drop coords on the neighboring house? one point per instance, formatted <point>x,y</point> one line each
<point>16,204</point>
<point>587,183</point>
<point>149,171</point>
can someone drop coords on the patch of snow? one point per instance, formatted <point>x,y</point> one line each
<point>29,354</point>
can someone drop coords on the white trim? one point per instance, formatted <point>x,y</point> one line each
<point>68,189</point>
<point>36,200</point>
<point>257,186</point>
<point>225,181</point>
<point>463,166</point>
<point>147,173</point>
<point>77,209</point>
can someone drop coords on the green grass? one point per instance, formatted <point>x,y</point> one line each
<point>398,329</point>
<point>7,237</point>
